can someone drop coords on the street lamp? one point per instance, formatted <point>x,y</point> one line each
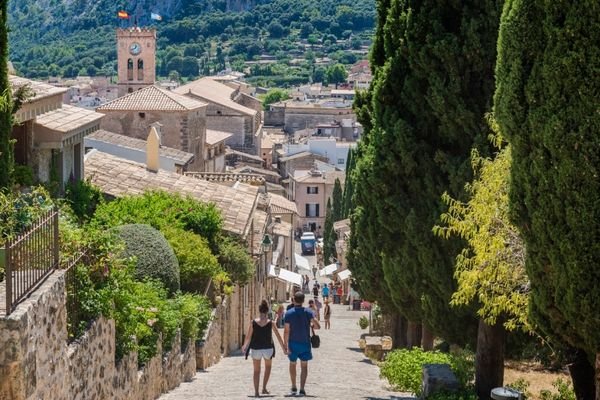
<point>277,270</point>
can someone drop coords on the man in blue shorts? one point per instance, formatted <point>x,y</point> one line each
<point>296,338</point>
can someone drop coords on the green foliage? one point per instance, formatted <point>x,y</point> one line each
<point>18,211</point>
<point>336,74</point>
<point>196,313</point>
<point>83,198</point>
<point>521,385</point>
<point>23,175</point>
<point>348,185</point>
<point>163,210</point>
<point>154,258</point>
<point>461,395</point>
<point>564,389</point>
<point>274,96</point>
<point>65,38</point>
<point>546,106</point>
<point>236,261</point>
<point>197,264</point>
<point>491,269</point>
<point>422,116</point>
<point>363,322</point>
<point>403,368</point>
<point>329,252</point>
<point>336,198</point>
<point>6,113</point>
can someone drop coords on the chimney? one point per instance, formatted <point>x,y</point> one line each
<point>158,127</point>
<point>152,149</point>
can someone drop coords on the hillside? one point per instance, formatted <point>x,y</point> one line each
<point>75,37</point>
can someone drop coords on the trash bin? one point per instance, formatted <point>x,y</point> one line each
<point>356,305</point>
<point>503,393</point>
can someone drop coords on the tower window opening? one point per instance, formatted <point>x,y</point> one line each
<point>140,70</point>
<point>130,69</point>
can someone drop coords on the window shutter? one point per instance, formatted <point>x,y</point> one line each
<point>317,210</point>
<point>308,190</point>
<point>307,211</point>
<point>316,190</point>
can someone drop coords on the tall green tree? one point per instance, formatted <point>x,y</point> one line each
<point>6,104</point>
<point>546,104</point>
<point>329,252</point>
<point>348,185</point>
<point>427,112</point>
<point>336,74</point>
<point>336,197</point>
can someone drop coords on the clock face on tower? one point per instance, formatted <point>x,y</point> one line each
<point>135,48</point>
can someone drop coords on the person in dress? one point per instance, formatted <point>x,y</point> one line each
<point>279,316</point>
<point>259,343</point>
<point>327,315</point>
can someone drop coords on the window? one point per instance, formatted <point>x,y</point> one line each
<point>312,210</point>
<point>312,190</point>
<point>140,70</point>
<point>130,69</point>
<point>341,161</point>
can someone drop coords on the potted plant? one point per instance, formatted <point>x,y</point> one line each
<point>363,322</point>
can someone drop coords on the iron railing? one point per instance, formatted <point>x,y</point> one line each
<point>30,258</point>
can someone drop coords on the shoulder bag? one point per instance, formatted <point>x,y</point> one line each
<point>315,340</point>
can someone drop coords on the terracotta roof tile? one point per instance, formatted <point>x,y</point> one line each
<point>215,92</point>
<point>214,137</point>
<point>152,98</point>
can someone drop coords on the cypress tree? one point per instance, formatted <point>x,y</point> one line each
<point>329,235</point>
<point>546,104</point>
<point>336,197</point>
<point>6,112</point>
<point>348,185</point>
<point>429,98</point>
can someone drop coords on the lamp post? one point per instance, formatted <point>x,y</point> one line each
<point>266,246</point>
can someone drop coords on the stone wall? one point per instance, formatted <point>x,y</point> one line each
<point>37,363</point>
<point>275,117</point>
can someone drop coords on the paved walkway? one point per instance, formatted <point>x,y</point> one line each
<point>339,370</point>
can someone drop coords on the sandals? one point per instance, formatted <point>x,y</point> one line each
<point>265,391</point>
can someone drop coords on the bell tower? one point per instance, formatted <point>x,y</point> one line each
<point>136,58</point>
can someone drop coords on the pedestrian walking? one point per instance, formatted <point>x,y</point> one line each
<point>316,289</point>
<point>319,306</point>
<point>296,338</point>
<point>259,343</point>
<point>327,315</point>
<point>279,315</point>
<point>313,306</point>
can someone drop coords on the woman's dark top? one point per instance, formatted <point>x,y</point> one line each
<point>262,336</point>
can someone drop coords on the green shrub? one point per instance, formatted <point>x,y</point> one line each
<point>363,322</point>
<point>565,391</point>
<point>154,257</point>
<point>163,210</point>
<point>18,211</point>
<point>403,367</point>
<point>521,385</point>
<point>195,314</point>
<point>83,197</point>
<point>197,264</point>
<point>23,175</point>
<point>236,261</point>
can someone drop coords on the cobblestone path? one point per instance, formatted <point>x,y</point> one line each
<point>339,370</point>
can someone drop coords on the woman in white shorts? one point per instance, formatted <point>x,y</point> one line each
<point>259,343</point>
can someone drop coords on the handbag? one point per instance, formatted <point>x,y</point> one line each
<point>315,340</point>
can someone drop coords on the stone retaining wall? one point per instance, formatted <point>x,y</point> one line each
<point>37,363</point>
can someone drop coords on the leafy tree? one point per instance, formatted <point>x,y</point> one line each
<point>275,29</point>
<point>336,74</point>
<point>274,96</point>
<point>490,270</point>
<point>319,75</point>
<point>546,104</point>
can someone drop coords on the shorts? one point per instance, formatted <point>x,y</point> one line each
<point>299,351</point>
<point>257,354</point>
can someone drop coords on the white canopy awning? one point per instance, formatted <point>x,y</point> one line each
<point>345,274</point>
<point>302,262</point>
<point>328,270</point>
<point>286,276</point>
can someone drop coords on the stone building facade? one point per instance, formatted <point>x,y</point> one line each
<point>225,111</point>
<point>299,115</point>
<point>183,119</point>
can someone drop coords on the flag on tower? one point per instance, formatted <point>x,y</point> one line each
<point>123,14</point>
<point>155,17</point>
